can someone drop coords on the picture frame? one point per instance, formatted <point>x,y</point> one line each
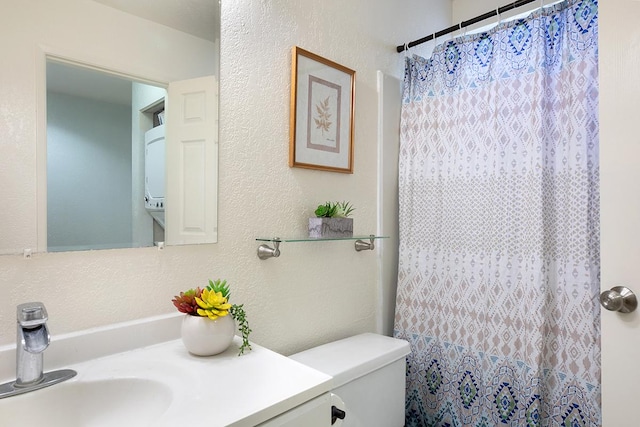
<point>322,113</point>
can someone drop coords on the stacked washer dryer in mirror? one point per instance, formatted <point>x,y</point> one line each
<point>154,167</point>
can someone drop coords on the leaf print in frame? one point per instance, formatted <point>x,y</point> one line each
<point>323,117</point>
<point>323,104</point>
<point>322,113</point>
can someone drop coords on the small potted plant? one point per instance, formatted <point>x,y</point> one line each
<point>332,220</point>
<point>209,323</point>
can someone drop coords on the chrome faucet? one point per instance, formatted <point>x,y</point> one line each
<point>32,340</point>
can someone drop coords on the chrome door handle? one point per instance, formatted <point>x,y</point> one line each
<point>619,298</point>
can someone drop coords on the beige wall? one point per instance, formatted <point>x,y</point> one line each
<point>463,10</point>
<point>314,292</point>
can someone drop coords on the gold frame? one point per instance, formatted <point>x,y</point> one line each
<point>329,78</point>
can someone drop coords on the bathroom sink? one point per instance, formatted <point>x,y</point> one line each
<point>126,379</point>
<point>99,403</point>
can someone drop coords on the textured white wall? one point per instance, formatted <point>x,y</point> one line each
<point>314,292</point>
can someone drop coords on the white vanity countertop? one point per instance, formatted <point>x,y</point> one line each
<point>221,390</point>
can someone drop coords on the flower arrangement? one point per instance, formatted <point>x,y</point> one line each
<point>334,210</point>
<point>213,302</point>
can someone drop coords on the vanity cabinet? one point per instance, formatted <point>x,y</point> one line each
<point>314,413</point>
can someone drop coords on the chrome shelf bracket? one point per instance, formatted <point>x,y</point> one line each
<point>266,251</point>
<point>361,245</point>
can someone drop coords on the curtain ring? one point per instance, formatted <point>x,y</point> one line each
<point>498,15</point>
<point>406,49</point>
<point>459,28</point>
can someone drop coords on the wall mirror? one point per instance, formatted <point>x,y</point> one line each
<point>131,162</point>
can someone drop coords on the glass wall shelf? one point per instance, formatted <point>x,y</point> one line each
<point>265,251</point>
<point>316,239</point>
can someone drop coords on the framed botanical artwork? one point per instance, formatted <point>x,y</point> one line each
<point>321,122</point>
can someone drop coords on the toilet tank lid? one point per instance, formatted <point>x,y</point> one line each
<point>350,358</point>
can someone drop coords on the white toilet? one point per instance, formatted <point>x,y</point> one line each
<point>368,373</point>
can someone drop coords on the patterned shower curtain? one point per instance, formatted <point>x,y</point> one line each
<point>499,225</point>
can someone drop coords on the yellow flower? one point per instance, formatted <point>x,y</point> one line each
<point>212,304</point>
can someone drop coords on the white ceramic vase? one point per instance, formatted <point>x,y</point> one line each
<point>205,337</point>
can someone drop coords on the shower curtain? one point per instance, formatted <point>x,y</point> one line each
<point>499,225</point>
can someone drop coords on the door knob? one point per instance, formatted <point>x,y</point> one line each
<point>619,298</point>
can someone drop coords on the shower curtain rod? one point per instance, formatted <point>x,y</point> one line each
<point>464,24</point>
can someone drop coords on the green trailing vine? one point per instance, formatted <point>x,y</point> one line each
<point>238,313</point>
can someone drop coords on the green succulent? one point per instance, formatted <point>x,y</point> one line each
<point>344,209</point>
<point>334,210</point>
<point>220,286</point>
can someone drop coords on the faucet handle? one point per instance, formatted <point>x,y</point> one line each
<point>31,314</point>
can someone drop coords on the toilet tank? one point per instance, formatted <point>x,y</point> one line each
<point>368,373</point>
